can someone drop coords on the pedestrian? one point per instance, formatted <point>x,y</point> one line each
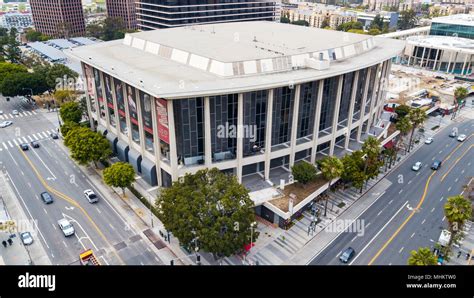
<point>468,255</point>
<point>10,242</point>
<point>459,254</point>
<point>4,243</point>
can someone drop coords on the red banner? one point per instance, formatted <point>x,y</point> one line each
<point>162,116</point>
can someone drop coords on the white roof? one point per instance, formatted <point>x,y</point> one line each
<point>232,57</point>
<point>457,19</point>
<point>463,45</point>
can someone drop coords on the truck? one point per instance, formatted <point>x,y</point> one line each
<point>444,238</point>
<point>88,258</point>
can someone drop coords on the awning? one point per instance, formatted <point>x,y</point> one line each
<point>389,145</point>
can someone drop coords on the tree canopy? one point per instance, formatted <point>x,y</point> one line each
<point>407,19</point>
<point>120,174</point>
<point>457,210</point>
<point>209,210</point>
<point>33,35</point>
<point>21,83</point>
<point>71,111</point>
<point>303,172</point>
<point>87,146</point>
<point>423,257</point>
<point>350,25</point>
<point>354,168</point>
<point>107,29</point>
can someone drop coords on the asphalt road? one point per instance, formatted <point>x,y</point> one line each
<point>98,226</point>
<point>393,225</point>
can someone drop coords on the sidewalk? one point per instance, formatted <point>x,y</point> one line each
<point>17,253</point>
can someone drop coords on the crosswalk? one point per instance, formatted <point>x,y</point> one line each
<point>20,114</point>
<point>26,139</point>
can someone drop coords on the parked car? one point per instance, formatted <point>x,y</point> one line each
<point>429,141</point>
<point>5,124</point>
<point>54,135</point>
<point>26,238</point>
<point>347,255</point>
<point>436,164</point>
<point>416,166</point>
<point>46,197</point>
<point>453,134</point>
<point>24,146</point>
<point>462,137</point>
<point>35,144</point>
<point>66,227</point>
<point>15,112</point>
<point>91,196</point>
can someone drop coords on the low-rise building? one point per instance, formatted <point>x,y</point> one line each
<point>318,15</point>
<point>16,20</point>
<point>388,17</point>
<point>448,9</point>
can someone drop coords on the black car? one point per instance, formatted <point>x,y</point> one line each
<point>24,147</point>
<point>54,135</point>
<point>436,164</point>
<point>347,255</point>
<point>46,197</point>
<point>35,144</point>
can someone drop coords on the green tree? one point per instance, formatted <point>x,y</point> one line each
<point>120,174</point>
<point>56,76</point>
<point>285,20</point>
<point>331,168</point>
<point>404,126</point>
<point>33,35</point>
<point>107,29</point>
<point>424,256</point>
<point>416,117</point>
<point>354,168</point>
<point>71,111</point>
<point>303,172</point>
<point>377,23</point>
<point>67,127</point>
<point>402,111</point>
<point>460,93</point>
<point>21,83</point>
<point>12,47</point>
<point>301,23</point>
<point>87,146</point>
<point>357,31</point>
<point>209,210</point>
<point>371,148</point>
<point>7,68</point>
<point>374,31</point>
<point>350,25</point>
<point>325,23</point>
<point>457,210</point>
<point>62,96</point>
<point>407,20</point>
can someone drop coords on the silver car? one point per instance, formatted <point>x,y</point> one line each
<point>66,227</point>
<point>26,238</point>
<point>5,124</point>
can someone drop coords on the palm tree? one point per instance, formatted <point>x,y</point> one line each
<point>457,210</point>
<point>331,168</point>
<point>371,147</point>
<point>416,117</point>
<point>460,93</point>
<point>422,257</point>
<point>404,126</point>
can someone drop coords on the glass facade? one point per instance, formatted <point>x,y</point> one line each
<point>133,113</point>
<point>255,117</point>
<point>359,94</point>
<point>99,93</point>
<point>307,109</point>
<point>282,117</point>
<point>452,30</point>
<point>370,92</point>
<point>119,96</point>
<point>328,104</point>
<point>348,82</point>
<point>109,98</point>
<point>189,129</point>
<point>145,104</point>
<point>223,110</point>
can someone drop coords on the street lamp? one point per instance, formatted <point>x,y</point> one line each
<point>252,225</point>
<point>365,170</point>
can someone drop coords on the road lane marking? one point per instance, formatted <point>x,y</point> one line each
<point>441,199</point>
<point>98,210</point>
<point>71,201</point>
<point>44,164</point>
<point>54,226</point>
<point>423,221</point>
<point>449,188</point>
<point>9,143</point>
<point>111,226</point>
<point>390,201</point>
<point>45,135</point>
<point>24,140</point>
<point>14,141</point>
<point>409,182</point>
<point>378,233</point>
<point>444,217</point>
<point>457,160</point>
<point>417,174</point>
<point>379,212</point>
<point>432,209</point>
<point>441,151</point>
<point>401,249</point>
<point>412,235</point>
<point>5,145</point>
<point>462,172</point>
<point>31,139</point>
<point>64,243</point>
<point>45,211</point>
<point>35,137</point>
<point>401,190</point>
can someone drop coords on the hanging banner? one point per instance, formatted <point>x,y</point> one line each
<point>162,116</point>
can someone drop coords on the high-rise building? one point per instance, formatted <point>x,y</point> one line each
<point>155,14</point>
<point>124,9</point>
<point>58,18</point>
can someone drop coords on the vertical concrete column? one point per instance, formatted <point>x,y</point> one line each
<point>127,114</point>
<point>114,99</point>
<point>240,139</point>
<point>422,57</point>
<point>436,59</point>
<point>335,118</point>
<point>102,86</point>
<point>88,99</point>
<point>449,62</point>
<point>351,109</point>
<point>172,135</point>
<point>268,134</point>
<point>375,94</point>
<point>317,117</point>
<point>156,141</point>
<point>464,63</point>
<point>207,132</point>
<point>141,129</point>
<point>294,124</point>
<point>364,100</point>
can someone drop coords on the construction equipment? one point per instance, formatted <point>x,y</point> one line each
<point>88,258</point>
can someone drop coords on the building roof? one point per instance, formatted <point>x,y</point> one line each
<point>51,53</point>
<point>61,43</point>
<point>452,43</point>
<point>232,57</point>
<point>456,19</point>
<point>83,40</point>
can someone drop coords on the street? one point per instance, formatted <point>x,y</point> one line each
<point>98,226</point>
<point>409,214</point>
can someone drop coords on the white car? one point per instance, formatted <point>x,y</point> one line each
<point>91,196</point>
<point>461,138</point>
<point>26,238</point>
<point>5,124</point>
<point>1,112</point>
<point>416,166</point>
<point>15,112</point>
<point>66,227</point>
<point>429,141</point>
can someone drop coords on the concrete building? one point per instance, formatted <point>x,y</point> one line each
<point>19,21</point>
<point>379,5</point>
<point>460,25</point>
<point>156,14</point>
<point>404,34</point>
<point>249,98</point>
<point>124,9</point>
<point>58,18</point>
<point>439,53</point>
<point>366,18</point>
<point>316,14</point>
<point>448,9</point>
